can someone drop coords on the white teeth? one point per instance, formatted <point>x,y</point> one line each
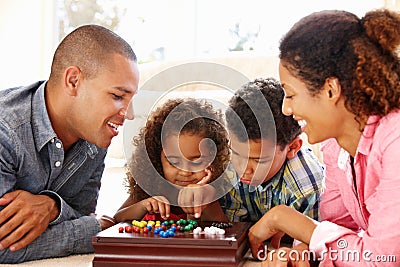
<point>115,126</point>
<point>302,123</point>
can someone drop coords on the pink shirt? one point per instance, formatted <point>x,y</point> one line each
<point>360,227</point>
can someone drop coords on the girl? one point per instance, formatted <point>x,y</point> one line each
<point>183,144</point>
<point>341,77</point>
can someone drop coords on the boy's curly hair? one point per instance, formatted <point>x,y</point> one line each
<point>185,115</point>
<point>258,94</point>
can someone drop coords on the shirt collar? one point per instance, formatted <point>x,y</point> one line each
<point>366,140</point>
<point>42,130</point>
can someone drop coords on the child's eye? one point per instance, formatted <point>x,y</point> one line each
<point>196,163</point>
<point>288,96</point>
<point>173,163</point>
<point>262,161</point>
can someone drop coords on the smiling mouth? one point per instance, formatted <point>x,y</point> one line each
<point>302,123</point>
<point>113,125</point>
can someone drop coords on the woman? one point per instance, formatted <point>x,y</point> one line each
<point>341,77</point>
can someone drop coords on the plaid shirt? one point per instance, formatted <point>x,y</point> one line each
<point>297,184</point>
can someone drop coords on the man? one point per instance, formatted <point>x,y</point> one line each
<point>272,167</point>
<point>53,140</point>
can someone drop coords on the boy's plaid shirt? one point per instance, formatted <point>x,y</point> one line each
<point>298,184</point>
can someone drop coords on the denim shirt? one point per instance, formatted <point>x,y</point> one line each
<point>32,158</point>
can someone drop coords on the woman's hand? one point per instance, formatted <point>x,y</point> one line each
<point>261,231</point>
<point>277,221</point>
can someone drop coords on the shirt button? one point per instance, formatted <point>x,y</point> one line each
<point>58,145</point>
<point>57,164</point>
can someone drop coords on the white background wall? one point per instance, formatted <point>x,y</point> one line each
<point>26,41</point>
<point>28,28</point>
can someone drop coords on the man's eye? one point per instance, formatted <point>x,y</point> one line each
<point>117,97</point>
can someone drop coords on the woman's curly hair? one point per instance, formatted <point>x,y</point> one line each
<point>361,53</point>
<point>183,115</point>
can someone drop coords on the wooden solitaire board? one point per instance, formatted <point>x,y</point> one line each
<point>184,249</point>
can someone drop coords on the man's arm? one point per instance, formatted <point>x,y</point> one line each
<point>25,216</point>
<point>43,204</point>
<point>63,239</point>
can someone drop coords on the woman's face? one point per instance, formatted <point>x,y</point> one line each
<point>184,159</point>
<point>312,112</point>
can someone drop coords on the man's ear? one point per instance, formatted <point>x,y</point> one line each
<point>333,89</point>
<point>72,77</point>
<point>294,147</point>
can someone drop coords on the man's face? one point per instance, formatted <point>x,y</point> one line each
<point>103,103</point>
<point>256,161</point>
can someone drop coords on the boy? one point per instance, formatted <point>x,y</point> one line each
<point>268,173</point>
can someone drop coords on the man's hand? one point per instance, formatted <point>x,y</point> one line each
<point>194,198</point>
<point>24,218</point>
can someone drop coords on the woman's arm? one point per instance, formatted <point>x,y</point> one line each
<point>277,220</point>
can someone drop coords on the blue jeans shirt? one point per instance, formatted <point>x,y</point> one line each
<point>32,159</point>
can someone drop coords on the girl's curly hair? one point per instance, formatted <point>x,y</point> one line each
<point>183,115</point>
<point>361,53</point>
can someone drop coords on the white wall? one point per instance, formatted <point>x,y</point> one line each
<point>28,28</point>
<point>27,41</point>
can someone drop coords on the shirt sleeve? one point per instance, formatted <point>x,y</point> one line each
<point>63,239</point>
<point>71,232</point>
<point>304,177</point>
<point>88,196</point>
<point>308,205</point>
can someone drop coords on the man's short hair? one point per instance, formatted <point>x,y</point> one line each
<point>89,47</point>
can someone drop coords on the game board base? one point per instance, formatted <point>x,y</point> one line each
<point>132,249</point>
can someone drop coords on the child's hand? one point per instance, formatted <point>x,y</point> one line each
<point>194,198</point>
<point>157,204</point>
<point>104,220</point>
<point>206,179</point>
